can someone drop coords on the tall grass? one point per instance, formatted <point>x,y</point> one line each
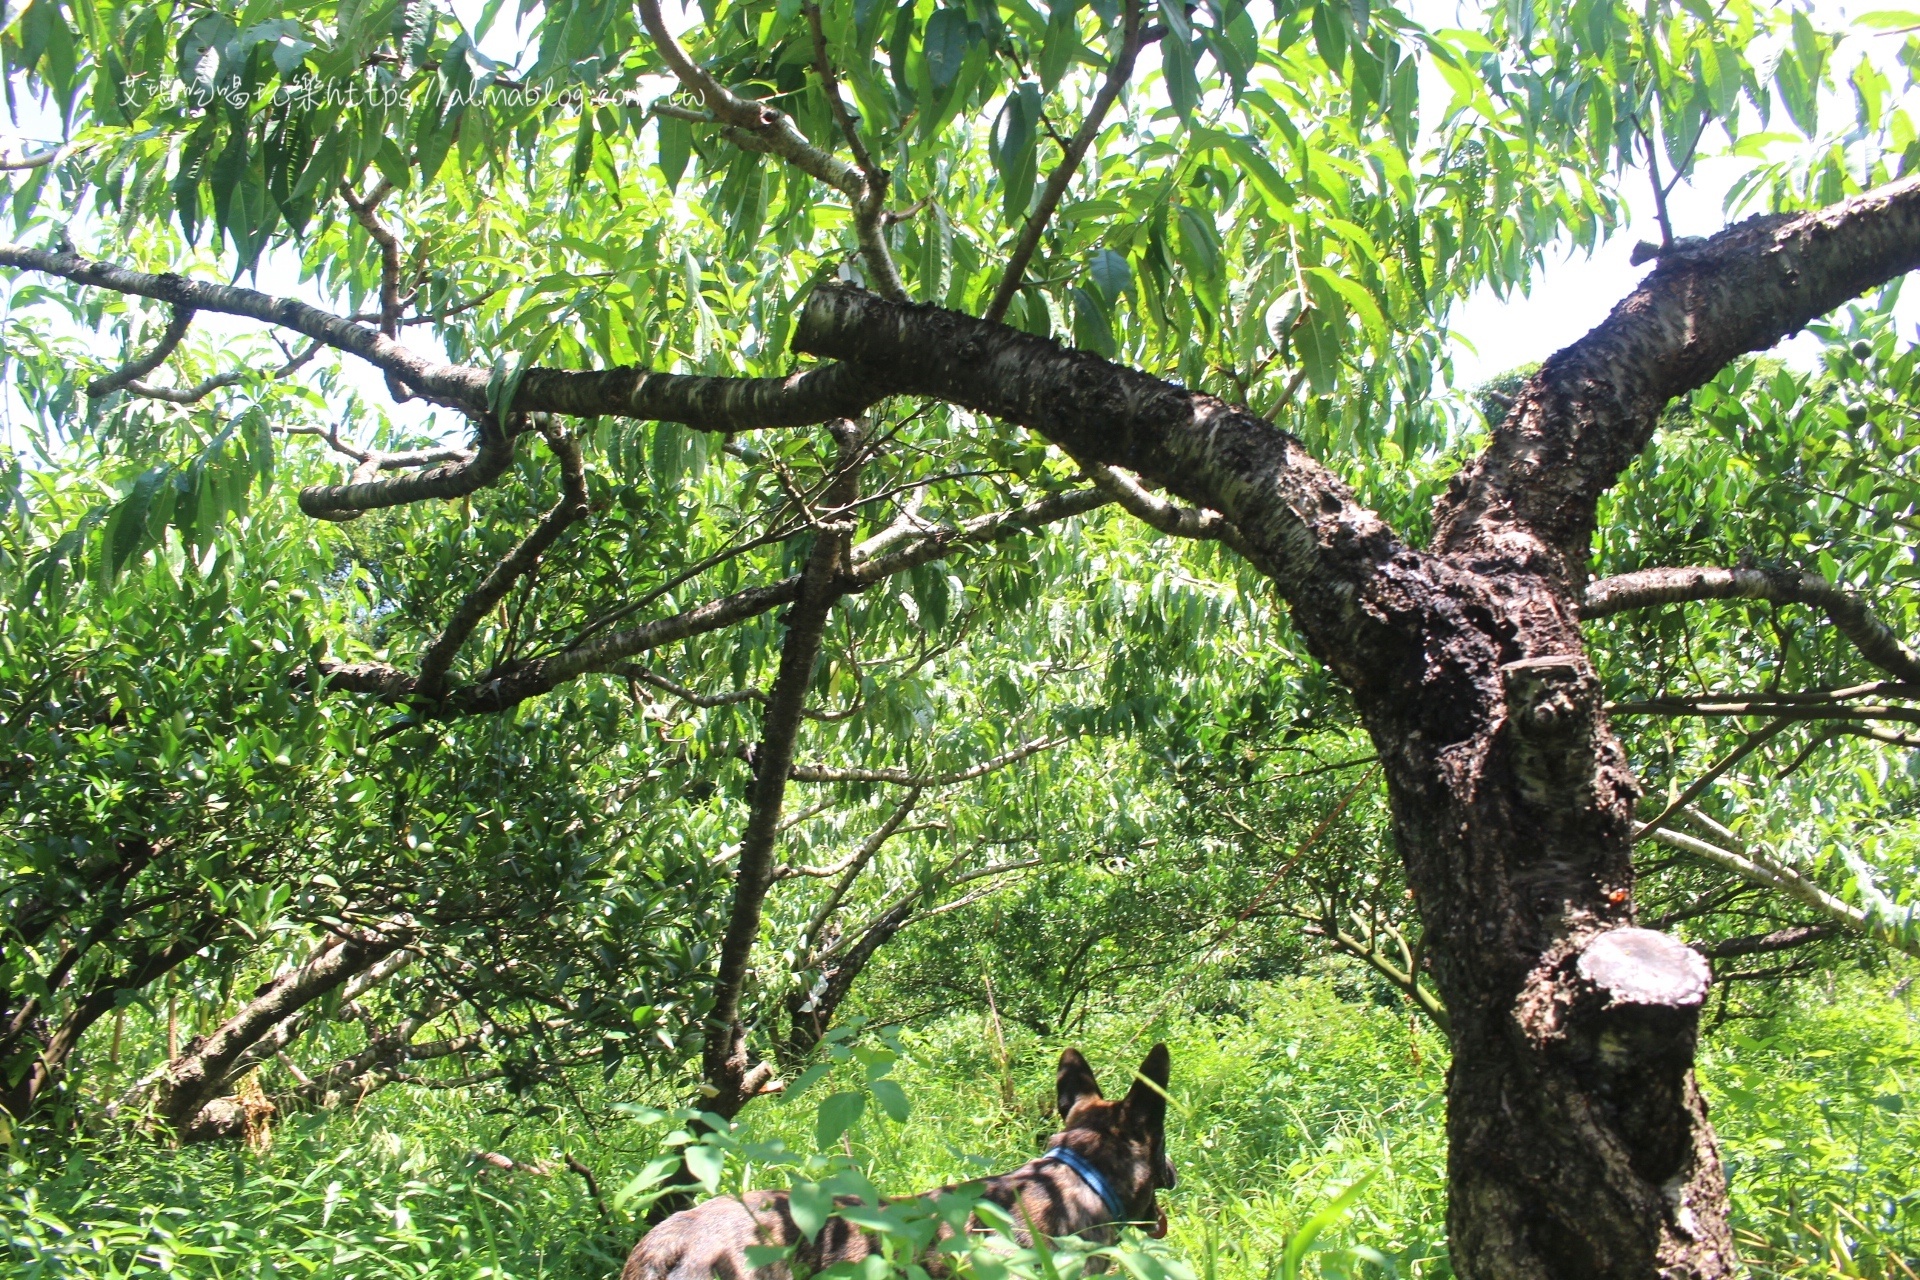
<point>1278,1108</point>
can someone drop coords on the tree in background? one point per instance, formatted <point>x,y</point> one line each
<point>1277,220</point>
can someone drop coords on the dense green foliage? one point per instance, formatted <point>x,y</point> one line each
<point>1304,1090</point>
<point>1077,782</point>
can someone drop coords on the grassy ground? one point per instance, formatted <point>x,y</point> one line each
<point>1278,1108</point>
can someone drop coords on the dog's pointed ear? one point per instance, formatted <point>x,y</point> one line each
<point>1147,1100</point>
<point>1074,1082</point>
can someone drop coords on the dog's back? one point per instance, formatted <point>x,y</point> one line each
<point>712,1239</point>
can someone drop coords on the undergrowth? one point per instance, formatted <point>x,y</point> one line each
<point>1277,1109</point>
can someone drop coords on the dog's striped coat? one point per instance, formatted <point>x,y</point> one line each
<point>1123,1142</point>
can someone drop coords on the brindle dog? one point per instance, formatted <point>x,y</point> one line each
<point>1115,1157</point>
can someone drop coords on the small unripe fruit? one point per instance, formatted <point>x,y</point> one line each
<point>1861,350</point>
<point>1856,414</point>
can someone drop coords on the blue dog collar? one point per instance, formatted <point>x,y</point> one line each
<point>1090,1176</point>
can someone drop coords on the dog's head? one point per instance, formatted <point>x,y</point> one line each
<point>1125,1140</point>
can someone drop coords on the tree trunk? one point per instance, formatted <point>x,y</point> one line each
<point>1579,1143</point>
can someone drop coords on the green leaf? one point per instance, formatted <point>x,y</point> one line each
<point>837,1114</point>
<point>806,1080</point>
<point>892,1099</point>
<point>1330,34</point>
<point>1183,83</point>
<point>1302,1240</point>
<point>1174,14</point>
<point>1062,42</point>
<point>1016,154</point>
<point>811,1204</point>
<point>127,527</point>
<point>676,145</point>
<point>1111,275</point>
<point>1356,296</point>
<point>945,42</point>
<point>706,1163</point>
<point>1318,343</point>
<point>1092,331</point>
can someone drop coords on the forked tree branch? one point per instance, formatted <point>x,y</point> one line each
<point>462,474</point>
<point>756,126</point>
<point>607,651</point>
<point>199,1075</point>
<point>572,506</point>
<point>1169,518</point>
<point>1850,613</point>
<point>1762,868</point>
<point>1530,498</point>
<point>207,386</point>
<point>871,846</point>
<point>456,386</point>
<point>869,209</point>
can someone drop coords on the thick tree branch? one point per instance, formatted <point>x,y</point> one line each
<point>466,473</point>
<point>1530,498</point>
<point>365,212</point>
<point>200,1074</point>
<point>37,160</point>
<point>457,386</point>
<point>703,403</point>
<point>1076,151</point>
<point>287,1030</point>
<point>1849,612</point>
<point>1335,561</point>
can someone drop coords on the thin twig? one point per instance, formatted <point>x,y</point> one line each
<point>1023,251</point>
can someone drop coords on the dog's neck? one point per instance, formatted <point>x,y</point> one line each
<point>1050,1197</point>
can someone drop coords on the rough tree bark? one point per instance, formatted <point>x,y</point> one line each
<point>1579,1144</point>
